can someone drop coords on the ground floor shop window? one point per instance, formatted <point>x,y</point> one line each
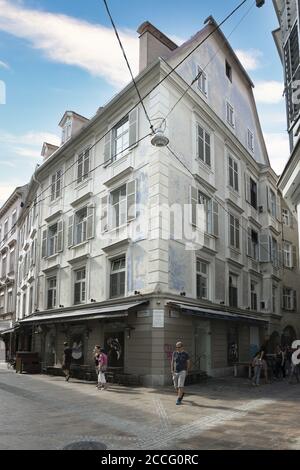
<point>114,347</point>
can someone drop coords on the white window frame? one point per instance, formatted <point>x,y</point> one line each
<point>202,275</point>
<point>53,289</point>
<point>82,283</point>
<point>234,171</point>
<point>202,81</point>
<point>234,229</point>
<point>115,213</point>
<point>287,249</point>
<point>52,236</point>
<point>288,299</point>
<point>123,137</point>
<point>273,203</point>
<point>83,224</point>
<point>122,269</point>
<point>56,185</point>
<point>204,144</point>
<point>83,166</point>
<point>250,140</point>
<point>286,217</point>
<point>254,294</point>
<point>230,114</point>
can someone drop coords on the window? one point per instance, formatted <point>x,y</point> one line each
<point>81,226</point>
<point>273,203</point>
<point>274,299</point>
<point>211,213</point>
<point>52,241</point>
<point>51,292</point>
<point>204,146</point>
<point>24,304</point>
<point>13,222</point>
<point>253,193</point>
<point>286,217</point>
<point>2,298</point>
<point>292,71</point>
<point>253,295</point>
<point>83,166</point>
<point>202,81</point>
<point>287,255</point>
<point>274,251</point>
<point>230,114</point>
<point>4,265</point>
<point>30,300</point>
<point>9,301</point>
<point>12,260</point>
<point>233,173</point>
<point>233,290</point>
<point>202,279</point>
<point>5,230</point>
<point>67,131</point>
<point>253,244</point>
<point>117,277</point>
<point>250,140</point>
<point>118,207</point>
<point>120,138</point>
<point>234,232</point>
<point>56,185</point>
<point>228,70</point>
<point>80,286</point>
<point>289,299</point>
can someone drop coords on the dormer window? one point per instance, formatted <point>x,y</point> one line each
<point>67,131</point>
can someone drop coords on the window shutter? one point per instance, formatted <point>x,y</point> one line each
<point>107,147</point>
<point>264,248</point>
<point>268,199</point>
<point>294,300</point>
<point>247,188</point>
<point>77,293</point>
<point>193,203</point>
<point>291,219</point>
<point>278,208</point>
<point>249,244</point>
<point>294,256</point>
<point>131,200</point>
<point>215,222</point>
<point>280,255</point>
<point>60,236</point>
<point>71,231</point>
<point>90,221</point>
<point>133,127</point>
<point>104,214</point>
<point>44,243</point>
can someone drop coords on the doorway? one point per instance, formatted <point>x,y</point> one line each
<point>202,349</point>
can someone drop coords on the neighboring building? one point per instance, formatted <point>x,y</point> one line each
<point>287,41</point>
<point>9,237</point>
<point>112,266</point>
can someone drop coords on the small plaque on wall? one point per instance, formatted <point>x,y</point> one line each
<point>158,319</point>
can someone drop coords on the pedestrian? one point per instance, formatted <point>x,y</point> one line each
<point>102,367</point>
<point>67,359</point>
<point>257,365</point>
<point>295,370</point>
<point>264,360</point>
<point>96,354</point>
<point>180,365</point>
<point>279,363</point>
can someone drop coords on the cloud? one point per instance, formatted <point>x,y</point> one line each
<point>27,145</point>
<point>278,150</point>
<point>4,65</point>
<point>7,163</point>
<point>6,189</point>
<point>71,41</point>
<point>269,92</point>
<point>250,58</point>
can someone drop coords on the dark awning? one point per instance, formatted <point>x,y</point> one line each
<point>113,311</point>
<point>216,314</point>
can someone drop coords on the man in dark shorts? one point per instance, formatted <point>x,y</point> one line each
<point>67,359</point>
<point>180,365</point>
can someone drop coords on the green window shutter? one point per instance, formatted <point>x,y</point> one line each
<point>60,236</point>
<point>131,200</point>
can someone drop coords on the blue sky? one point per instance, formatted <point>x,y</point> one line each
<point>61,54</point>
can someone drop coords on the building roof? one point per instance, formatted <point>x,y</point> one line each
<point>72,113</point>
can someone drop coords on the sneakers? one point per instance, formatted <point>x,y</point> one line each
<point>178,402</point>
<point>67,378</point>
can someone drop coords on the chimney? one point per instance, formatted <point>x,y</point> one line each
<point>153,44</point>
<point>48,150</point>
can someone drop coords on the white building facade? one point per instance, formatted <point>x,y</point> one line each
<point>139,246</point>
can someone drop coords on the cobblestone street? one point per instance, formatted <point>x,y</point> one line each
<point>43,412</point>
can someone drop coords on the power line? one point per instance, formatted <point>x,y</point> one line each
<point>205,67</point>
<point>128,65</point>
<point>148,93</point>
<point>218,202</point>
